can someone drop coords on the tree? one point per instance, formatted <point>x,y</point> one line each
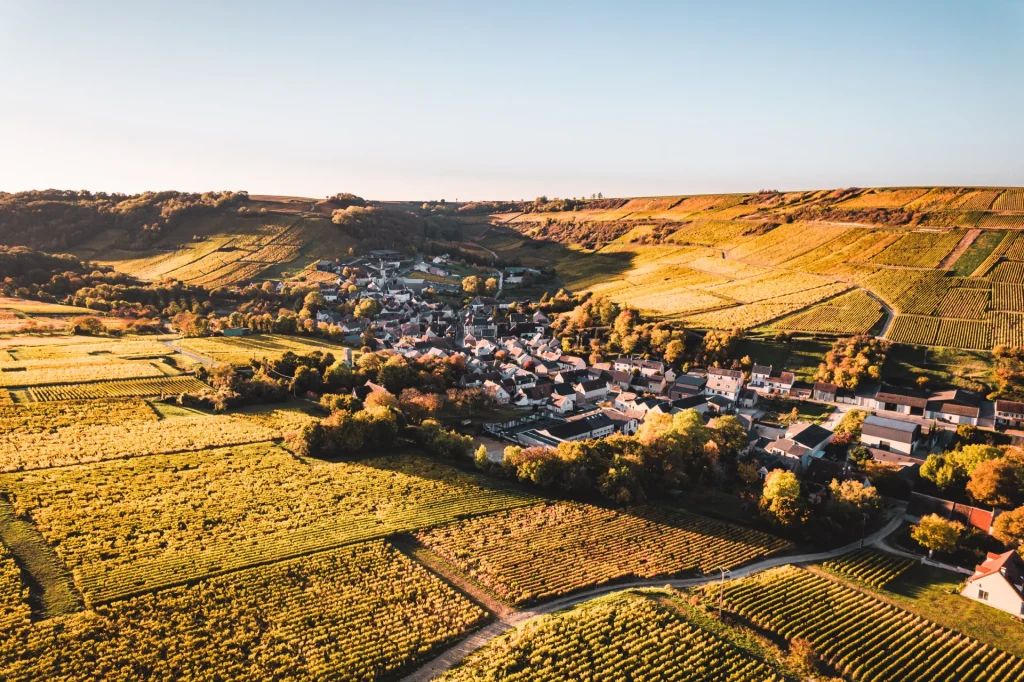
<point>491,286</point>
<point>482,461</point>
<point>747,472</point>
<point>802,655</point>
<point>996,482</point>
<point>936,534</point>
<point>860,455</point>
<point>314,300</point>
<point>1009,527</point>
<point>87,326</point>
<point>472,285</point>
<point>674,351</point>
<point>781,484</point>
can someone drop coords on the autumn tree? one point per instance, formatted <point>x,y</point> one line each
<point>997,482</point>
<point>491,286</point>
<point>937,534</point>
<point>1009,527</point>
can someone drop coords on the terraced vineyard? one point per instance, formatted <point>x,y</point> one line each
<point>357,613</point>
<point>864,638</point>
<point>141,388</point>
<point>621,637</point>
<point>129,526</point>
<point>542,551</point>
<point>870,566</point>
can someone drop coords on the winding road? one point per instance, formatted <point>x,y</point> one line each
<point>197,358</point>
<point>457,653</point>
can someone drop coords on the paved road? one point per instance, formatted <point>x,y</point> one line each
<point>197,358</point>
<point>460,651</point>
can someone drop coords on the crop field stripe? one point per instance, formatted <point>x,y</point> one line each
<point>862,637</point>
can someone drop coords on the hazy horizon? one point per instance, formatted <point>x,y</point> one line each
<point>460,101</point>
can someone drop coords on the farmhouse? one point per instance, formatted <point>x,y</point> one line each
<point>956,406</point>
<point>901,400</point>
<point>766,379</point>
<point>726,383</point>
<point>825,392</point>
<point>1009,413</point>
<point>999,583</point>
<point>890,434</point>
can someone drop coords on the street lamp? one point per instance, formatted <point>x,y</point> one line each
<point>721,589</point>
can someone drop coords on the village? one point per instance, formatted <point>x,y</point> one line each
<point>549,396</point>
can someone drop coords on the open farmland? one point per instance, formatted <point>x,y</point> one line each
<point>861,636</point>
<point>620,637</point>
<point>239,350</point>
<point>537,552</point>
<point>311,618</point>
<point>134,525</point>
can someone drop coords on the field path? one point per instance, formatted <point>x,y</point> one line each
<point>889,314</point>
<point>954,255</point>
<point>457,653</point>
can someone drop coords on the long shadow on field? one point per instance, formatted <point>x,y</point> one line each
<point>576,269</point>
<point>52,591</point>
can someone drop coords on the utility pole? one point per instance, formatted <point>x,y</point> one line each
<point>863,528</point>
<point>721,590</point>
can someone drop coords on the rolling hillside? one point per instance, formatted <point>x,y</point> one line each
<point>923,266</point>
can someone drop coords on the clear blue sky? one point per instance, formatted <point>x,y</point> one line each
<point>473,100</point>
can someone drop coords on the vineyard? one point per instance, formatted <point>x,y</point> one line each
<point>914,329</point>
<point>133,388</point>
<point>132,525</point>
<point>83,442</point>
<point>621,637</point>
<point>964,334</point>
<point>43,417</point>
<point>17,374</point>
<point>1010,200</point>
<point>239,350</point>
<point>920,249</point>
<point>1008,329</point>
<point>14,608</point>
<point>863,637</point>
<point>854,312</point>
<point>870,566</point>
<point>358,613</point>
<point>1008,297</point>
<point>537,552</point>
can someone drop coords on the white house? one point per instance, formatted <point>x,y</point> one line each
<point>724,382</point>
<point>765,379</point>
<point>999,583</point>
<point>496,392</point>
<point>592,390</point>
<point>890,434</point>
<point>956,406</point>
<point>1009,413</point>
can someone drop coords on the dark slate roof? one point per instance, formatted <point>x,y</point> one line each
<point>811,436</point>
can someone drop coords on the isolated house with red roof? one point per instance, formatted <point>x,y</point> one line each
<point>999,583</point>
